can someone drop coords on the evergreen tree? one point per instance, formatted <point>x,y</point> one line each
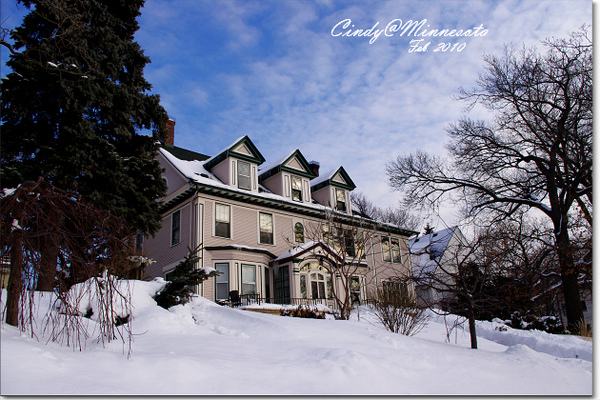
<point>76,104</point>
<point>428,229</point>
<point>182,281</point>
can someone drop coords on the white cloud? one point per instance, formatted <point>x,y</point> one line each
<point>279,76</point>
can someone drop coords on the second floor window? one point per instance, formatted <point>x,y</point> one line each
<point>266,228</point>
<point>390,248</point>
<point>299,232</point>
<point>340,200</point>
<point>222,221</point>
<point>175,227</point>
<point>243,175</point>
<point>296,188</point>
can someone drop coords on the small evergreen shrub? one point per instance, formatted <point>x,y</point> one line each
<point>182,280</point>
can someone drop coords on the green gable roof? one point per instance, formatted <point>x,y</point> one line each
<point>328,180</point>
<point>253,156</point>
<point>281,166</point>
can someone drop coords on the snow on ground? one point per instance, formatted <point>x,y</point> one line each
<point>204,348</point>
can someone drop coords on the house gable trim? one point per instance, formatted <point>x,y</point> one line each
<point>307,173</point>
<point>250,153</point>
<point>341,172</point>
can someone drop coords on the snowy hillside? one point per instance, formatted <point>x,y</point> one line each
<point>204,348</point>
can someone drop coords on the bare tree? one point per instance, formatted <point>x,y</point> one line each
<point>399,216</point>
<point>397,309</point>
<point>93,245</point>
<point>536,155</point>
<point>344,243</point>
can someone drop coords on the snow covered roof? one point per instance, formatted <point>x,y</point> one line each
<point>427,250</point>
<point>241,148</point>
<point>293,162</point>
<point>197,173</point>
<point>338,177</point>
<point>297,251</point>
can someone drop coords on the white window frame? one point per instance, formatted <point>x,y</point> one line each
<point>245,282</point>
<point>300,190</point>
<point>240,175</point>
<point>260,214</point>
<point>217,205</point>
<point>221,276</point>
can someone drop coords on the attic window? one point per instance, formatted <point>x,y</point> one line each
<point>243,175</point>
<point>296,188</point>
<point>340,200</point>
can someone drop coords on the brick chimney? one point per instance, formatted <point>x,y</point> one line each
<point>314,165</point>
<point>170,139</point>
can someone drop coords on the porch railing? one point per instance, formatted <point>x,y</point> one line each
<point>236,300</point>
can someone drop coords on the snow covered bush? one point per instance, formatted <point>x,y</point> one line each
<point>529,321</point>
<point>303,311</point>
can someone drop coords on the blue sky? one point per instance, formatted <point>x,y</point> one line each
<point>274,71</point>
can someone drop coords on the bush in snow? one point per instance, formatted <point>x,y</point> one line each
<point>182,281</point>
<point>529,321</point>
<point>398,311</point>
<point>303,311</point>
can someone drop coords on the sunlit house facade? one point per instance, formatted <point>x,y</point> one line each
<point>265,227</point>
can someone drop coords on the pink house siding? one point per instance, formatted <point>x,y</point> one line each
<point>201,191</point>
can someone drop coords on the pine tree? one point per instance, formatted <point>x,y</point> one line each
<point>182,281</point>
<point>76,105</point>
<point>428,229</point>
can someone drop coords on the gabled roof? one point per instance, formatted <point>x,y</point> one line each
<point>338,177</point>
<point>201,179</point>
<point>308,247</point>
<point>294,163</point>
<point>427,250</point>
<point>242,148</point>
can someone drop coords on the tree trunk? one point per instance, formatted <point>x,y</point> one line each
<point>47,273</point>
<point>472,327</point>
<point>15,283</point>
<point>569,275</point>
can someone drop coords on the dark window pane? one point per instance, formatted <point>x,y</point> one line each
<point>222,229</point>
<point>175,227</point>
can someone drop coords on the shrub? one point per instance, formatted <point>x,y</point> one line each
<point>303,311</point>
<point>182,281</point>
<point>529,321</point>
<point>398,311</point>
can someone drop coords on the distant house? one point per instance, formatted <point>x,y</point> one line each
<point>435,253</point>
<point>254,224</point>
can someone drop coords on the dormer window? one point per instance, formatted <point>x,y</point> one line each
<point>296,188</point>
<point>243,175</point>
<point>340,200</point>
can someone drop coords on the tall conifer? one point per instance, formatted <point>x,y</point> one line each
<point>75,107</point>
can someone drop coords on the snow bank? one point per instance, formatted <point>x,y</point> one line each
<point>201,348</point>
<point>564,346</point>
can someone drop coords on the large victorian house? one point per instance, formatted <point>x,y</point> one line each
<point>268,230</point>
